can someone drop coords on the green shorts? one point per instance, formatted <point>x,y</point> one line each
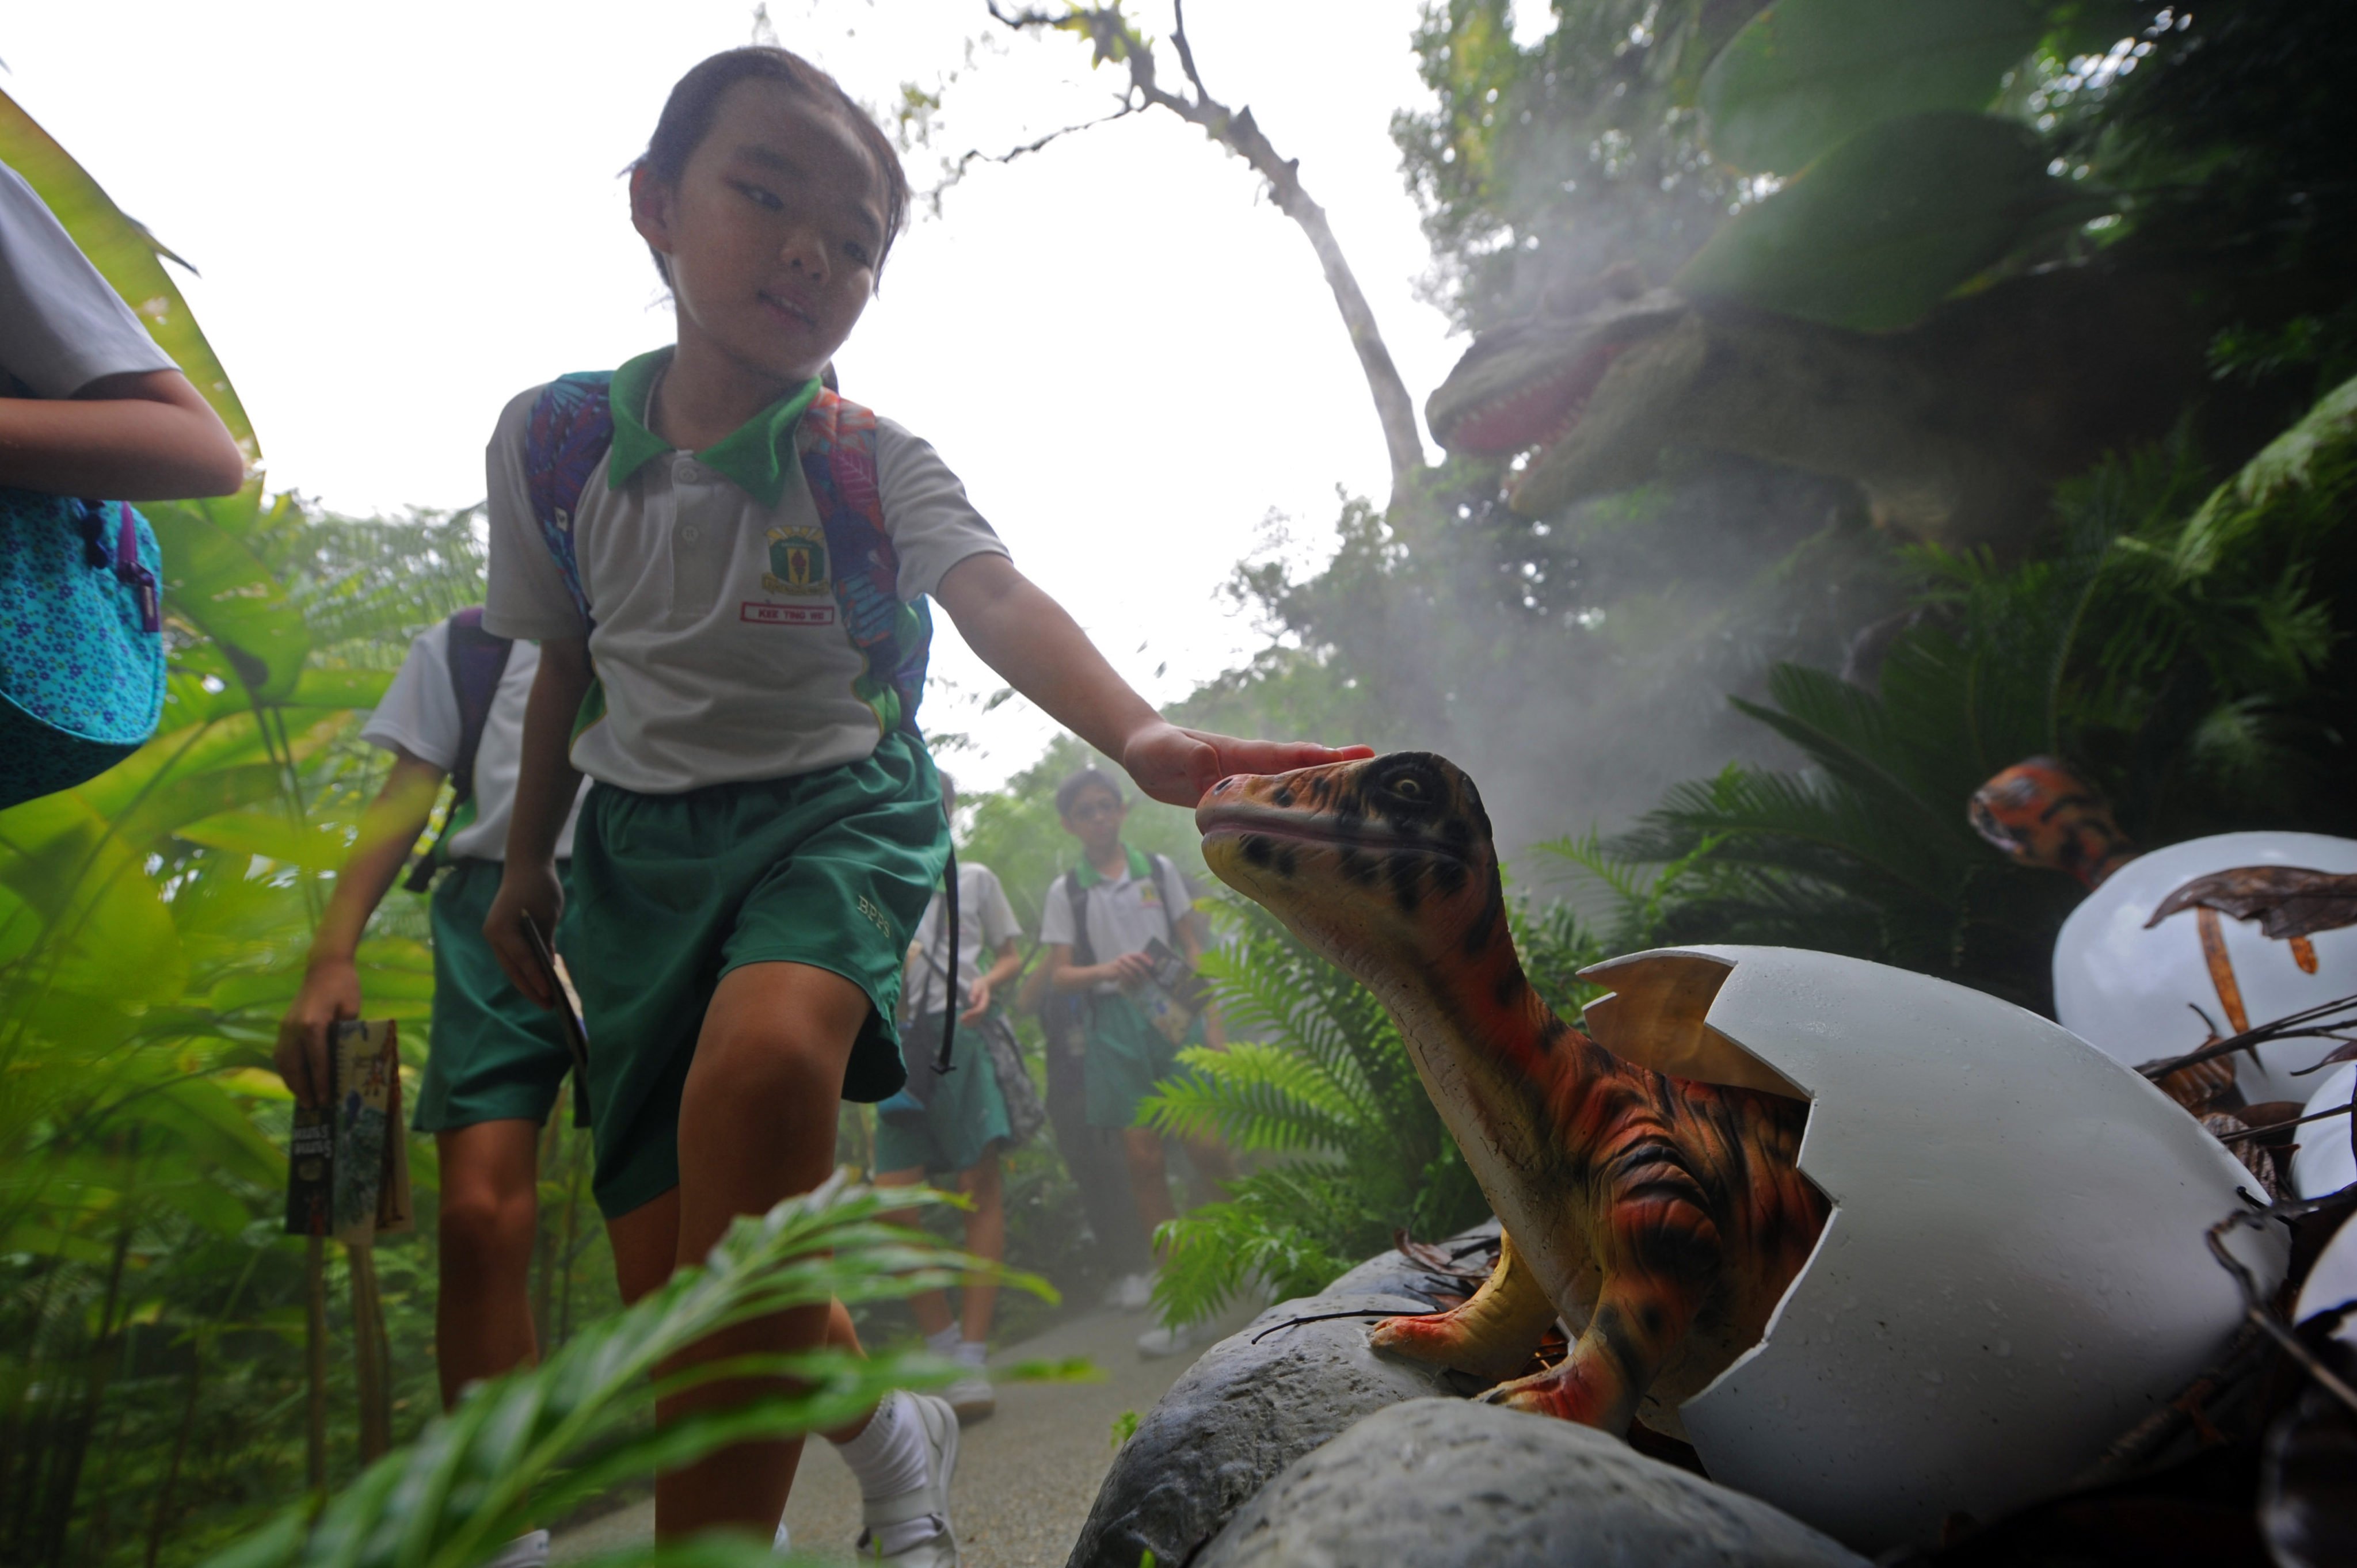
<point>966,1117</point>
<point>492,1055</point>
<point>1126,1057</point>
<point>670,892</point>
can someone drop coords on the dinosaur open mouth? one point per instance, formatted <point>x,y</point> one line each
<point>1534,414</point>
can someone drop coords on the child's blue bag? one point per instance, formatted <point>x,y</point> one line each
<point>81,646</point>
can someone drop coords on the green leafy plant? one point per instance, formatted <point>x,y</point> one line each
<point>520,1450</point>
<point>2188,647</point>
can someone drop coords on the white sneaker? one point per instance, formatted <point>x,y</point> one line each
<point>971,1396</point>
<point>1157,1342</point>
<point>898,1519</point>
<point>1131,1292</point>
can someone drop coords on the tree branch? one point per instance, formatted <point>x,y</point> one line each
<point>1114,41</point>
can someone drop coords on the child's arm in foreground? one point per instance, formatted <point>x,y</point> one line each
<point>331,985</point>
<point>1026,637</point>
<point>140,436</point>
<point>546,782</point>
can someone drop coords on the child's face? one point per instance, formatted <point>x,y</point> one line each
<point>1095,819</point>
<point>772,233</point>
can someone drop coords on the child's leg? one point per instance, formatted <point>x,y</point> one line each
<point>1149,1181</point>
<point>932,1307</point>
<point>482,1317</point>
<point>985,1238</point>
<point>757,1123</point>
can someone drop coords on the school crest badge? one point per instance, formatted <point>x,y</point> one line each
<point>798,561</point>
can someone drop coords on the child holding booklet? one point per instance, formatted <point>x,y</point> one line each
<point>748,558</point>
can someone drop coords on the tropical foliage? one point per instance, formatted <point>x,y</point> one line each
<point>519,1451</point>
<point>2189,647</point>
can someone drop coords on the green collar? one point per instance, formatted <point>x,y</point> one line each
<point>754,455</point>
<point>1140,868</point>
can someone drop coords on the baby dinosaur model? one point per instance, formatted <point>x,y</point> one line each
<point>1661,1217</point>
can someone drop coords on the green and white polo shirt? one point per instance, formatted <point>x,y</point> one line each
<point>717,668</point>
<point>1124,913</point>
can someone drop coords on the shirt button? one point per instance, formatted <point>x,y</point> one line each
<point>690,533</point>
<point>689,474</point>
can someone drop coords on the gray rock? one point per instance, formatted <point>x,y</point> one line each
<point>1449,1484</point>
<point>1247,1410</point>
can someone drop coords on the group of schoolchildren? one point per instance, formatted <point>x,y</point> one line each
<point>684,733</point>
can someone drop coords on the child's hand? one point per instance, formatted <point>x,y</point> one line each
<point>330,993</point>
<point>1178,767</point>
<point>525,891</point>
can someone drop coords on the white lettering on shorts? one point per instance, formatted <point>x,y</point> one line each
<point>762,613</point>
<point>874,915</point>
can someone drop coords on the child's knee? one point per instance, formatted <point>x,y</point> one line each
<point>754,1070</point>
<point>481,1221</point>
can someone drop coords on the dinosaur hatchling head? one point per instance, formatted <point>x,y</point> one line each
<point>1371,863</point>
<point>1523,387</point>
<point>2042,813</point>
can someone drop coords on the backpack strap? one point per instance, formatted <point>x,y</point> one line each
<point>836,438</point>
<point>572,426</point>
<point>477,659</point>
<point>1084,951</point>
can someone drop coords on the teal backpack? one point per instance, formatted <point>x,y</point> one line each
<point>81,646</point>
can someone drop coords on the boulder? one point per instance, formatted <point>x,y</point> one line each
<point>1443,1483</point>
<point>1253,1404</point>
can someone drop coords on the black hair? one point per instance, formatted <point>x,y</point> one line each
<point>1086,779</point>
<point>687,114</point>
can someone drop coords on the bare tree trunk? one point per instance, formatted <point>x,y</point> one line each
<point>314,1364</point>
<point>368,1356</point>
<point>1234,129</point>
<point>162,1512</point>
<point>68,1481</point>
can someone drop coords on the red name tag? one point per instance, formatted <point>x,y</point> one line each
<point>762,613</point>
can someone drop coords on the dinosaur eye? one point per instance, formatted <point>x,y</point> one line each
<point>1407,789</point>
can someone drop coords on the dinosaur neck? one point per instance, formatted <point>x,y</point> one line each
<point>1480,1017</point>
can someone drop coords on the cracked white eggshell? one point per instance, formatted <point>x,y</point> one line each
<point>2015,1270</point>
<point>2324,1162</point>
<point>2131,992</point>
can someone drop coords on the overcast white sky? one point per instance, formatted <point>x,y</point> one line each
<point>405,214</point>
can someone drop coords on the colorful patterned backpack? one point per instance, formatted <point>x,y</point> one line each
<point>573,424</point>
<point>570,430</point>
<point>81,646</point>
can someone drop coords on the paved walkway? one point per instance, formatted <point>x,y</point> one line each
<point>1026,1476</point>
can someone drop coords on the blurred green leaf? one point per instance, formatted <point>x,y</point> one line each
<point>1879,230</point>
<point>1806,75</point>
<point>216,583</point>
<point>125,254</point>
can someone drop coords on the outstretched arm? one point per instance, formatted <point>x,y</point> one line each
<point>331,985</point>
<point>1028,637</point>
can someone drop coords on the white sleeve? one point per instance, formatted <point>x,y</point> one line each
<point>933,526</point>
<point>998,921</point>
<point>62,325</point>
<point>1056,915</point>
<point>420,712</point>
<point>525,594</point>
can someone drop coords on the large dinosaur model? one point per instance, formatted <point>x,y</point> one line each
<point>1955,428</point>
<point>1660,1217</point>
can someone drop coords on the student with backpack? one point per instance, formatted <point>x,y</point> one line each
<point>89,407</point>
<point>456,709</point>
<point>959,1121</point>
<point>749,557</point>
<point>1100,924</point>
